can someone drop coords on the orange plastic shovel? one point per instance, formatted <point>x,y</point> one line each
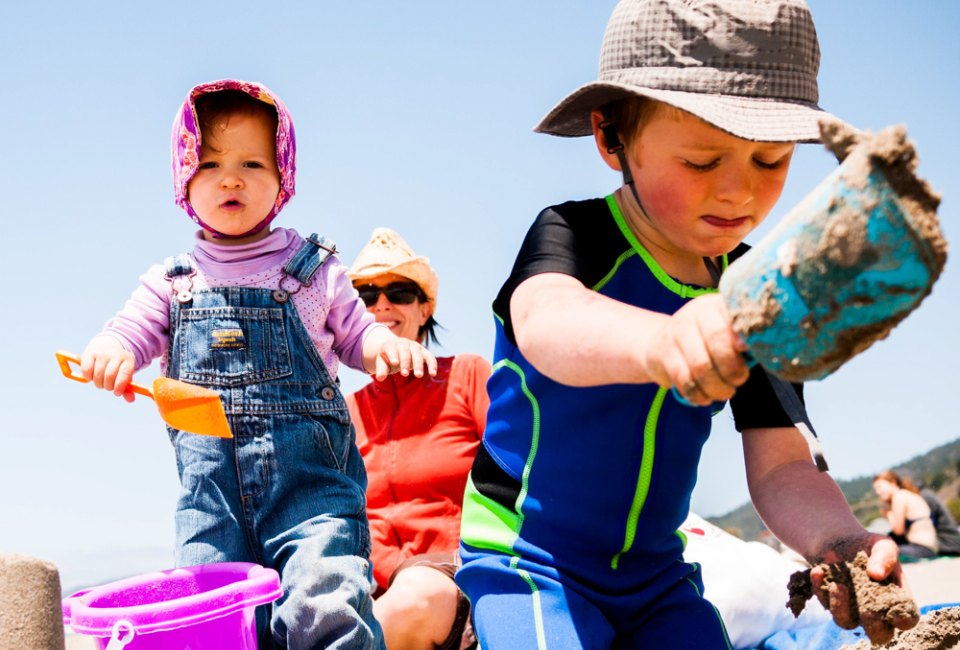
<point>183,406</point>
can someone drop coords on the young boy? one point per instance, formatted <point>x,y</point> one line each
<point>570,524</point>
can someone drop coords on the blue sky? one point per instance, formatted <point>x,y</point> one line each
<point>416,116</point>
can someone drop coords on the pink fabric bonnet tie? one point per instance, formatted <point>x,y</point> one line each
<point>185,145</point>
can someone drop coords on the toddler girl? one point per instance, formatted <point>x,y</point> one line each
<point>264,317</point>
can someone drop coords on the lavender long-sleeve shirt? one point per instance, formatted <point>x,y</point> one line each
<point>332,313</point>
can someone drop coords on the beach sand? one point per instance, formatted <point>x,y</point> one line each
<point>934,581</point>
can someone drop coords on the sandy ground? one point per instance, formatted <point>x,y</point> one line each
<point>932,582</point>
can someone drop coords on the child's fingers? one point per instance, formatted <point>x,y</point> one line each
<point>382,367</point>
<point>99,371</point>
<point>416,360</point>
<point>713,365</point>
<point>86,366</point>
<point>697,379</point>
<point>431,363</point>
<point>390,354</point>
<point>422,359</point>
<point>404,357</point>
<point>124,376</point>
<point>110,373</point>
<point>726,359</point>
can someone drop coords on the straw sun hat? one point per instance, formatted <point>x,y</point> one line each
<point>749,67</point>
<point>387,252</point>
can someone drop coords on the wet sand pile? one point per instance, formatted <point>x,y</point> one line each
<point>30,614</point>
<point>876,606</point>
<point>937,630</point>
<point>897,159</point>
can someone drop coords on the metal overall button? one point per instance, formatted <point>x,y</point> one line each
<point>280,294</point>
<point>327,393</point>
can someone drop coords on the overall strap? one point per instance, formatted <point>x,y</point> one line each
<point>178,265</point>
<point>179,272</point>
<point>311,256</point>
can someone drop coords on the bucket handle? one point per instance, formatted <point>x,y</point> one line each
<point>123,633</point>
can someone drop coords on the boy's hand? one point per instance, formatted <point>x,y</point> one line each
<point>882,562</point>
<point>697,351</point>
<point>108,365</point>
<point>404,356</point>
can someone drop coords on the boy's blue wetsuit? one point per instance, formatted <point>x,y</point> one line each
<point>570,524</point>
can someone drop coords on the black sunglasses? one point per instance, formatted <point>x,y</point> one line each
<point>399,293</point>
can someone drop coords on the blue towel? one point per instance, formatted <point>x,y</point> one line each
<point>826,636</point>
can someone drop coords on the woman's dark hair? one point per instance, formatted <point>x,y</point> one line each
<point>214,109</point>
<point>428,332</point>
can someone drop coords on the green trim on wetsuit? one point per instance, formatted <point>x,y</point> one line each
<point>501,525</point>
<point>682,290</point>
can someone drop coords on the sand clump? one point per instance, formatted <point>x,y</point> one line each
<point>878,606</point>
<point>937,630</point>
<point>896,157</point>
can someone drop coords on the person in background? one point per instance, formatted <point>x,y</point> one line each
<point>911,524</point>
<point>418,440</point>
<point>948,534</point>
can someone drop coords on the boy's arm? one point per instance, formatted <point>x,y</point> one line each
<point>806,510</point>
<point>579,337</point>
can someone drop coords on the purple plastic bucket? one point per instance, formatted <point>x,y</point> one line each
<point>208,606</point>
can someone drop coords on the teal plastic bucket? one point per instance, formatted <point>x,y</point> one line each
<point>848,263</point>
<point>208,606</point>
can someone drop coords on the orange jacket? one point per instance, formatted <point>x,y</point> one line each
<point>418,438</point>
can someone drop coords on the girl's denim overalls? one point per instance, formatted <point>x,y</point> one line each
<point>288,491</point>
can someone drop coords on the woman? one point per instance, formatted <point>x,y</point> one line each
<point>418,438</point>
<point>909,515</point>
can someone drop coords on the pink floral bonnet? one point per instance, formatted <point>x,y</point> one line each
<point>185,145</point>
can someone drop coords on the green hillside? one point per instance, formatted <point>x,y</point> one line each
<point>938,469</point>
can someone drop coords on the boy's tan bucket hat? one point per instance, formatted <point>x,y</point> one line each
<point>749,67</point>
<point>387,252</point>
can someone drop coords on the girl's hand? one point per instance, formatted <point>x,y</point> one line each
<point>404,356</point>
<point>108,365</point>
<point>698,351</point>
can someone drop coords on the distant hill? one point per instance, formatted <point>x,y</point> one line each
<point>938,469</point>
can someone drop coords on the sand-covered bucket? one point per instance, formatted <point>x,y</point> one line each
<point>845,266</point>
<point>208,606</point>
